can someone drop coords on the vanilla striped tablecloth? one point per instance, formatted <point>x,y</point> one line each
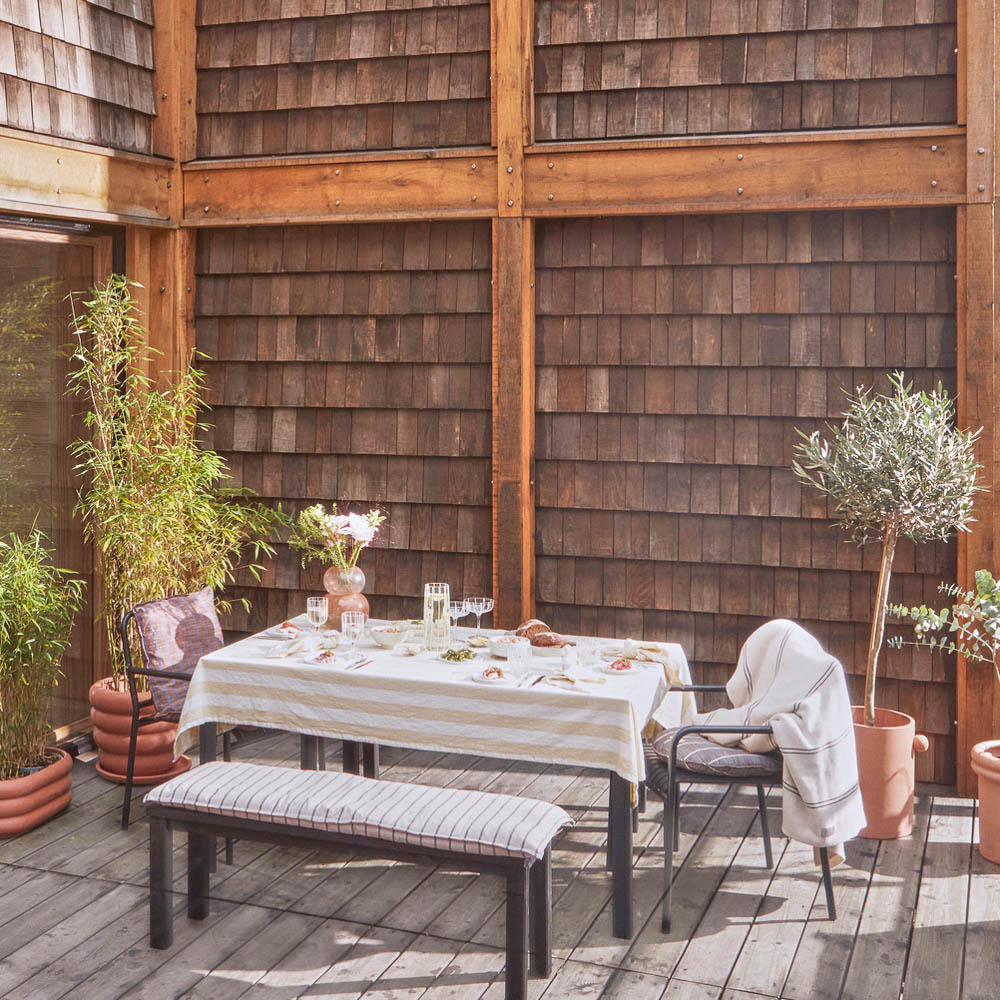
<point>426,703</point>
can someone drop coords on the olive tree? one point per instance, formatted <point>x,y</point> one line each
<point>897,467</point>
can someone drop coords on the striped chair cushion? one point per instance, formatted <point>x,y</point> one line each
<point>175,633</point>
<point>449,819</point>
<point>699,754</point>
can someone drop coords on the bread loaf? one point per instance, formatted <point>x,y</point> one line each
<point>546,638</point>
<point>531,627</point>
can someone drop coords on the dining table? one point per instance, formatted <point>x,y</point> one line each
<point>553,710</point>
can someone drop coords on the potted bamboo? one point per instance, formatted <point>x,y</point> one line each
<point>38,604</point>
<point>154,504</point>
<point>897,467</point>
<point>969,626</point>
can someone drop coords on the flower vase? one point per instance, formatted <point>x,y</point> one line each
<point>343,588</point>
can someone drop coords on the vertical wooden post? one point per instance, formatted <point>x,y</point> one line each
<point>978,707</point>
<point>513,318</point>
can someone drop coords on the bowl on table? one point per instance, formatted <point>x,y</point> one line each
<point>501,644</point>
<point>388,636</point>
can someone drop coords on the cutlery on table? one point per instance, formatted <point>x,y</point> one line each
<point>358,665</point>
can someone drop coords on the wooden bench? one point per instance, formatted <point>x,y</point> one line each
<point>454,828</point>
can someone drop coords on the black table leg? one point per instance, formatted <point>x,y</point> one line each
<point>369,758</point>
<point>308,752</point>
<point>351,754</point>
<point>206,742</point>
<point>620,834</point>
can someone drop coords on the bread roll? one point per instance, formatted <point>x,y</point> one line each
<point>531,627</point>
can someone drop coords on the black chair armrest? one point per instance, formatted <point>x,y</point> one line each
<point>697,687</point>
<point>176,674</point>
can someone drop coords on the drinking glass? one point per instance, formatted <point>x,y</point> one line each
<point>519,654</point>
<point>352,624</point>
<point>480,606</point>
<point>457,609</point>
<point>589,651</point>
<point>318,610</point>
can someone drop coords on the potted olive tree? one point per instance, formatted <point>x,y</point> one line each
<point>153,502</point>
<point>897,467</point>
<point>38,604</point>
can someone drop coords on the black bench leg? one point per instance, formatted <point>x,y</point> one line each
<point>765,831</point>
<point>369,757</point>
<point>351,757</point>
<point>161,877</point>
<point>540,914</point>
<point>669,845</point>
<point>620,833</point>
<point>200,852</point>
<point>516,983</point>
<point>831,906</point>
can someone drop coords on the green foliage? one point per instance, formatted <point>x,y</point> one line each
<point>897,459</point>
<point>970,625</point>
<point>152,501</point>
<point>38,604</point>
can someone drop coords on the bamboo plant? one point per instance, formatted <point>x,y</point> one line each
<point>152,500</point>
<point>38,604</point>
<point>897,467</point>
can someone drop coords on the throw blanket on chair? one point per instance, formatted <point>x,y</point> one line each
<point>785,679</point>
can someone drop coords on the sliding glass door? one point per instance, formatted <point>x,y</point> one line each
<point>38,273</point>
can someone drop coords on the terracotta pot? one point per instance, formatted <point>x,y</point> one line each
<point>111,714</point>
<point>28,801</point>
<point>986,764</point>
<point>343,593</point>
<point>885,771</point>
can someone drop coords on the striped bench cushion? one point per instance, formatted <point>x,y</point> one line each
<point>448,819</point>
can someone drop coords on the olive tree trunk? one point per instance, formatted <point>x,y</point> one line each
<point>878,621</point>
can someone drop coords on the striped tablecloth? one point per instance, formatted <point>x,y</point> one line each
<point>426,703</point>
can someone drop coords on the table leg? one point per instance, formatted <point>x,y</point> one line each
<point>206,742</point>
<point>620,834</point>
<point>308,751</point>
<point>369,757</point>
<point>352,763</point>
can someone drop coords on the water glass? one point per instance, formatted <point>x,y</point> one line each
<point>589,651</point>
<point>352,624</point>
<point>519,654</point>
<point>318,610</point>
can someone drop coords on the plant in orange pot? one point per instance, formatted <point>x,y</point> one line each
<point>896,467</point>
<point>154,502</point>
<point>970,626</point>
<point>38,604</point>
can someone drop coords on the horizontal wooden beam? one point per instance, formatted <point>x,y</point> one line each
<point>44,176</point>
<point>344,189</point>
<point>794,172</point>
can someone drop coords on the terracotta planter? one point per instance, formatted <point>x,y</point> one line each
<point>29,801</point>
<point>343,593</point>
<point>111,714</point>
<point>885,771</point>
<point>986,764</point>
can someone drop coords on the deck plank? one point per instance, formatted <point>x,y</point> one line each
<point>981,969</point>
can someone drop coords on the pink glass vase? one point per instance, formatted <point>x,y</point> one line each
<point>343,588</point>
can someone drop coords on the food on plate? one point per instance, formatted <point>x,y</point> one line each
<point>620,666</point>
<point>547,638</point>
<point>493,674</point>
<point>458,655</point>
<point>477,641</point>
<point>327,656</point>
<point>531,627</point>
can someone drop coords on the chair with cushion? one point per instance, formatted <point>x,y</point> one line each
<point>686,754</point>
<point>174,634</point>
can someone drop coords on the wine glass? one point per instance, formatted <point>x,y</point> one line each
<point>480,606</point>
<point>352,624</point>
<point>457,609</point>
<point>318,610</point>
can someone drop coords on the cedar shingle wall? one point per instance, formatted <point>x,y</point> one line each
<point>676,357</point>
<point>79,69</point>
<point>606,68</point>
<point>311,76</point>
<point>353,363</point>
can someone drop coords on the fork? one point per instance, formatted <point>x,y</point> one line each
<point>358,665</point>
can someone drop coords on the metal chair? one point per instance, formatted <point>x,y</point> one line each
<point>664,776</point>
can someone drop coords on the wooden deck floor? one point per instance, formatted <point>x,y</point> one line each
<point>917,918</point>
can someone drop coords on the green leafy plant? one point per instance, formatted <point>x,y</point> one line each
<point>334,538</point>
<point>970,625</point>
<point>897,467</point>
<point>153,502</point>
<point>38,604</point>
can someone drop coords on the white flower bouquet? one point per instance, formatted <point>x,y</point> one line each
<point>334,538</point>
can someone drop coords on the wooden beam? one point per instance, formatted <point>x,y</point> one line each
<point>175,128</point>
<point>513,420</point>
<point>460,184</point>
<point>791,172</point>
<point>513,25</point>
<point>980,97</point>
<point>50,177</point>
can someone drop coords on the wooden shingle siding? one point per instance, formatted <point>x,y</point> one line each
<point>611,68</point>
<point>352,363</point>
<point>79,69</point>
<point>676,356</point>
<point>342,76</point>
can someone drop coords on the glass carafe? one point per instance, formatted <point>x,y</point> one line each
<point>437,619</point>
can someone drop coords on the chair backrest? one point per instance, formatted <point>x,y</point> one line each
<point>175,633</point>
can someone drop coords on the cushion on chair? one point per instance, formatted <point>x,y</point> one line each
<point>175,633</point>
<point>449,819</point>
<point>699,754</point>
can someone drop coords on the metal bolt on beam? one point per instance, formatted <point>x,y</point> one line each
<point>933,184</point>
<point>551,164</point>
<point>510,170</point>
<point>551,197</point>
<point>739,156</point>
<point>739,190</point>
<point>510,203</point>
<point>473,166</point>
<point>205,209</point>
<point>933,149</point>
<point>982,187</point>
<point>981,150</point>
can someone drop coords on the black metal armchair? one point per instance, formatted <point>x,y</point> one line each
<point>664,776</point>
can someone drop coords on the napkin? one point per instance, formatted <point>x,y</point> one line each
<point>294,647</point>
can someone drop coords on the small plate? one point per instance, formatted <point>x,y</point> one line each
<point>282,632</point>
<point>471,659</point>
<point>619,673</point>
<point>504,681</point>
<point>319,660</point>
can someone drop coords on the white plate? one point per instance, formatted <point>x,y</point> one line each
<point>547,650</point>
<point>619,673</point>
<point>504,681</point>
<point>278,632</point>
<point>315,659</point>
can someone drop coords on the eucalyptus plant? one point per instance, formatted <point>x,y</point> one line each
<point>38,604</point>
<point>897,467</point>
<point>154,503</point>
